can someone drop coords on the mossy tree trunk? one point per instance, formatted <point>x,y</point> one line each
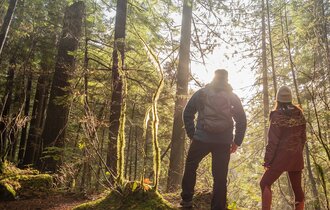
<point>175,171</point>
<point>58,108</point>
<point>118,58</point>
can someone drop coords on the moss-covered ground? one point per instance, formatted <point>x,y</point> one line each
<point>17,183</point>
<point>37,191</point>
<point>133,196</point>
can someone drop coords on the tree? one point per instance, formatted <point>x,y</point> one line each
<point>271,49</point>
<point>5,124</point>
<point>6,23</point>
<point>59,103</point>
<point>118,58</point>
<point>48,37</point>
<point>175,171</point>
<point>264,69</point>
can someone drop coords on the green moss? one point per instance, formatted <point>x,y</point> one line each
<point>9,170</point>
<point>34,185</point>
<point>129,198</point>
<point>28,183</point>
<point>7,192</point>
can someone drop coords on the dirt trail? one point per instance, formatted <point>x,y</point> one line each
<point>67,202</point>
<point>54,202</point>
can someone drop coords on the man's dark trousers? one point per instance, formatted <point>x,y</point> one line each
<point>220,159</point>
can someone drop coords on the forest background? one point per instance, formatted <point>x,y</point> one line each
<point>93,91</point>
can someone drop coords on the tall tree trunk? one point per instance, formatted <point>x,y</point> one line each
<point>264,71</point>
<point>129,145</point>
<point>175,171</point>
<point>37,118</point>
<point>5,109</point>
<point>117,87</point>
<point>26,95</point>
<point>48,53</point>
<point>100,163</point>
<point>309,167</point>
<point>271,50</point>
<point>26,114</point>
<point>136,153</point>
<point>6,23</point>
<point>58,108</point>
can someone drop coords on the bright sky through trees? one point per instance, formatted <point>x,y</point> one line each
<point>227,56</point>
<point>240,74</point>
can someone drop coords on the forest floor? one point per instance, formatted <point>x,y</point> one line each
<point>68,201</point>
<point>52,202</point>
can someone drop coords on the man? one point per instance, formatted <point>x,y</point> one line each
<point>216,106</point>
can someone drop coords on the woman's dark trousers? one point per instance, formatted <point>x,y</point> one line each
<point>220,159</point>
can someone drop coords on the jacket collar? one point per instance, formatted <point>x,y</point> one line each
<point>220,85</point>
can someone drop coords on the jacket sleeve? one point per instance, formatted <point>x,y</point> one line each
<point>274,134</point>
<point>240,120</point>
<point>303,136</point>
<point>189,115</point>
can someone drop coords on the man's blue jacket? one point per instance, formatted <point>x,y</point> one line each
<point>196,132</point>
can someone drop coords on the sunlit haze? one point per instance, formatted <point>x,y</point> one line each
<point>226,57</point>
<point>240,75</point>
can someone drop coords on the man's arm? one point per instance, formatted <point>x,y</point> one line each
<point>240,120</point>
<point>189,115</point>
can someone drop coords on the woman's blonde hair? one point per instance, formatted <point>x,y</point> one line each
<point>285,107</point>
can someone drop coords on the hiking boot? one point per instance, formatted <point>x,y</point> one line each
<point>186,204</point>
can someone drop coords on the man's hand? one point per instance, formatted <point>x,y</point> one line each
<point>233,147</point>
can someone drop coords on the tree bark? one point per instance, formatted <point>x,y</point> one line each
<point>271,50</point>
<point>136,153</point>
<point>129,146</point>
<point>58,108</point>
<point>175,171</point>
<point>48,50</point>
<point>37,118</point>
<point>26,114</point>
<point>117,87</point>
<point>5,110</point>
<point>6,23</point>
<point>264,71</point>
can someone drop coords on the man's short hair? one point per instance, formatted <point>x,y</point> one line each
<point>221,74</point>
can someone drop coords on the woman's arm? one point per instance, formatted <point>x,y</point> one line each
<point>274,134</point>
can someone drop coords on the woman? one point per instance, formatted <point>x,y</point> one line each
<point>284,151</point>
